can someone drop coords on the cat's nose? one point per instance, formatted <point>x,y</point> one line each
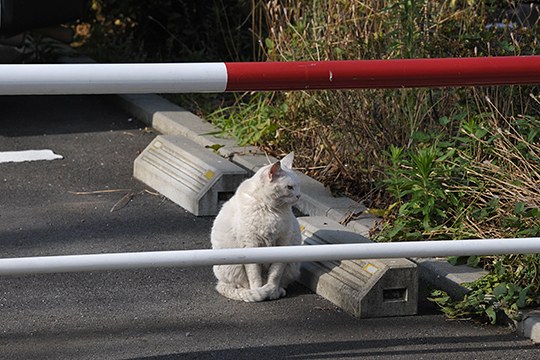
<point>298,196</point>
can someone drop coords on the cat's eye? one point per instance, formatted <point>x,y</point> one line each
<point>290,187</point>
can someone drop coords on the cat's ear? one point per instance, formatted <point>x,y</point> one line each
<point>274,171</point>
<point>288,160</point>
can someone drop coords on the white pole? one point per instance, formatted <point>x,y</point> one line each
<point>52,79</point>
<point>184,258</point>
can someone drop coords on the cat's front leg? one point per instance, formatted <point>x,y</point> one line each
<point>275,273</point>
<point>253,272</point>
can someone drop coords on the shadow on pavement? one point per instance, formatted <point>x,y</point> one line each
<point>357,349</point>
<point>59,114</point>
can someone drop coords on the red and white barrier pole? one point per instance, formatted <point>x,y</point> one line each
<point>45,79</point>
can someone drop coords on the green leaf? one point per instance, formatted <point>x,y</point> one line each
<point>522,298</point>
<point>499,290</point>
<point>505,45</point>
<point>480,133</point>
<point>440,297</point>
<point>519,208</point>
<point>492,315</point>
<point>457,260</point>
<point>511,289</point>
<point>444,120</point>
<point>214,147</point>
<point>269,44</point>
<point>473,261</point>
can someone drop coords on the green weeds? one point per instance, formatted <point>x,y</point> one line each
<point>478,183</point>
<point>253,122</point>
<point>499,296</point>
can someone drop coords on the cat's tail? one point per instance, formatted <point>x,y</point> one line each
<point>249,295</point>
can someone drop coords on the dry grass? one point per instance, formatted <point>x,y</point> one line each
<point>341,135</point>
<point>510,174</point>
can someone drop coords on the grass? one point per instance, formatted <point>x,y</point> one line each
<point>355,128</point>
<point>252,121</point>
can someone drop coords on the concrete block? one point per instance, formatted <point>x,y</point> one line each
<point>144,106</point>
<point>362,224</point>
<point>188,174</point>
<point>171,119</point>
<point>529,326</point>
<point>253,162</point>
<point>438,273</point>
<point>363,288</point>
<point>316,200</point>
<point>182,122</point>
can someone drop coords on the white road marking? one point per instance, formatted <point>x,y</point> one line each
<point>28,155</point>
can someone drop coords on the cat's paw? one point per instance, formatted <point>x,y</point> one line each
<point>275,292</point>
<point>267,292</point>
<point>253,295</point>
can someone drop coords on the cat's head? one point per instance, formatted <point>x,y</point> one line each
<point>279,182</point>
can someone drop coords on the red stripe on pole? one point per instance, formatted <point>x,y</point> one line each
<point>357,74</point>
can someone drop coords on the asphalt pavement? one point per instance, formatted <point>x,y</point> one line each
<point>88,202</point>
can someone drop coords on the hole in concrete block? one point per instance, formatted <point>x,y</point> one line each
<point>224,196</point>
<point>394,295</point>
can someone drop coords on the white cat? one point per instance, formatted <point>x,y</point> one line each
<point>259,214</point>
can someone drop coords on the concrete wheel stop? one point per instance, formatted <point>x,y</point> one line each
<point>363,288</point>
<point>188,174</point>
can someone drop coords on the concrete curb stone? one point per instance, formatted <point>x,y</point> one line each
<point>529,326</point>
